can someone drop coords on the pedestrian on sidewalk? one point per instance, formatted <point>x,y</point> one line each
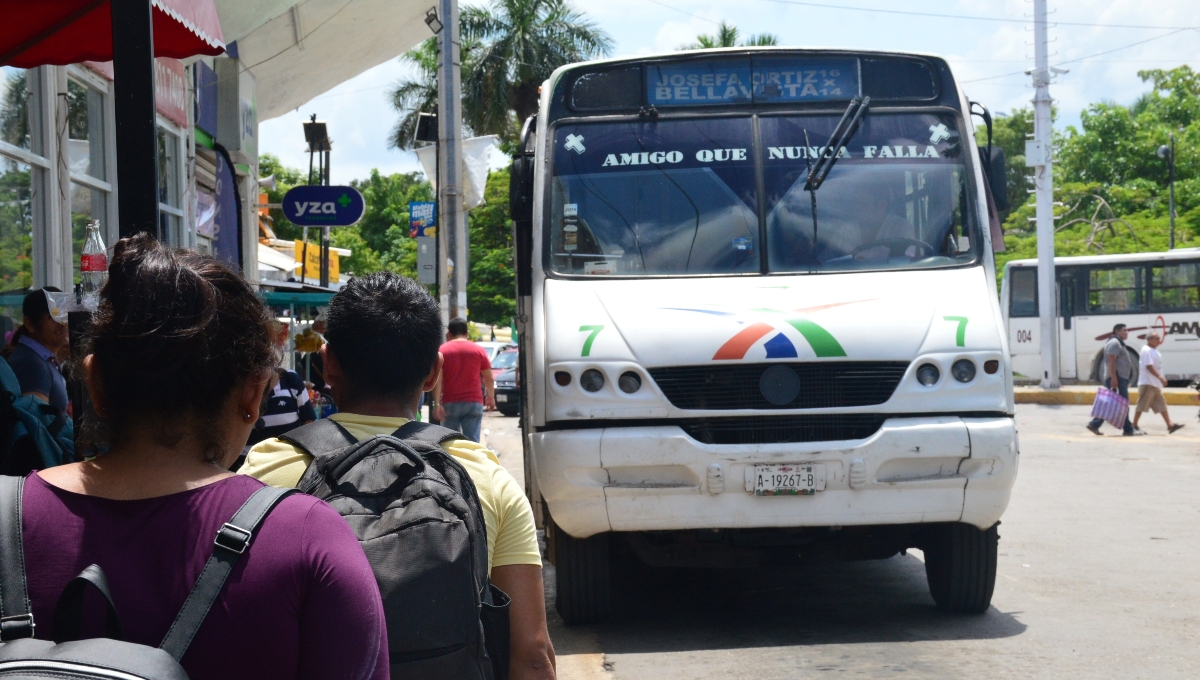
<point>467,372</point>
<point>381,355</point>
<point>1151,383</point>
<point>179,355</point>
<point>1118,371</point>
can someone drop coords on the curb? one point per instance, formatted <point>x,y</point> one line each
<point>1085,394</point>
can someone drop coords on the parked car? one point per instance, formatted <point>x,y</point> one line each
<point>508,385</point>
<point>494,348</point>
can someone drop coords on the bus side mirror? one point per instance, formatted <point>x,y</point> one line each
<point>520,189</point>
<point>995,173</point>
<point>520,206</point>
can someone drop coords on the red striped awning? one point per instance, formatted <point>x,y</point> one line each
<point>37,32</point>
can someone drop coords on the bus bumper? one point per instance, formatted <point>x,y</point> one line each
<point>913,470</point>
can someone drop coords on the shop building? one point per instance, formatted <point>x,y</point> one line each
<point>58,127</point>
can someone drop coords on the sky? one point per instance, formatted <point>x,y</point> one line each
<point>989,45</point>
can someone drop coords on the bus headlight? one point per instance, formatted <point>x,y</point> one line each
<point>629,382</point>
<point>963,370</point>
<point>592,380</point>
<point>928,374</point>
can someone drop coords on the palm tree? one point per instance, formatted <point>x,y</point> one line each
<point>508,49</point>
<point>415,95</point>
<point>727,36</point>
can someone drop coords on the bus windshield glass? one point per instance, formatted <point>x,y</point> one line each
<point>681,197</point>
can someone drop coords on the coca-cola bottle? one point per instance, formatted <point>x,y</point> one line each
<point>93,266</point>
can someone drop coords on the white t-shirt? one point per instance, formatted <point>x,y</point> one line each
<point>1149,357</point>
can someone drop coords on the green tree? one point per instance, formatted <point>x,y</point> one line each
<point>387,198</point>
<point>520,43</point>
<point>508,49</point>
<point>415,95</point>
<point>727,36</point>
<point>285,179</point>
<point>16,228</point>
<point>1110,185</point>
<point>491,288</point>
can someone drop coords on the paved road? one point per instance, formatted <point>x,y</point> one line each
<point>1097,578</point>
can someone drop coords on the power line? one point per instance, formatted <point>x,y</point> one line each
<point>684,11</point>
<point>1078,59</point>
<point>968,17</point>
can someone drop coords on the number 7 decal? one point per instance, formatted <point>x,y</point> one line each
<point>587,344</point>
<point>960,337</point>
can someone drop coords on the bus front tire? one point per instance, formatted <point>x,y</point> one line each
<point>960,565</point>
<point>584,591</point>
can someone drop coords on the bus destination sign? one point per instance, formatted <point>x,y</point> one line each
<point>741,81</point>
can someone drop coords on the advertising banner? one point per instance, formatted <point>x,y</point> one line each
<point>422,219</point>
<point>312,271</point>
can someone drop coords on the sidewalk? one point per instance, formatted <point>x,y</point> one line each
<point>1085,394</point>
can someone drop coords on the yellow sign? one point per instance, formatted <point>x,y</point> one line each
<point>313,270</point>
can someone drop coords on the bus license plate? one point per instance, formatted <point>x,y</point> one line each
<point>788,480</point>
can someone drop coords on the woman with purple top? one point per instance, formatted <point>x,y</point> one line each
<point>180,354</point>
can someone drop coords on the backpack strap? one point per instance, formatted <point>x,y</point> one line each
<point>16,614</point>
<point>427,433</point>
<point>233,538</point>
<point>319,436</point>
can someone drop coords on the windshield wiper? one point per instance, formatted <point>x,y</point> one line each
<point>841,134</point>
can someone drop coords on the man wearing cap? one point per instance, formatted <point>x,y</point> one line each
<point>1151,383</point>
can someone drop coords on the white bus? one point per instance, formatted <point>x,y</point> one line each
<point>758,318</point>
<point>1144,291</point>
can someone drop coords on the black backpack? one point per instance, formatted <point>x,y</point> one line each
<point>417,515</point>
<point>109,657</point>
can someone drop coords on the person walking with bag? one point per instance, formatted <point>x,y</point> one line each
<point>179,356</point>
<point>1117,372</point>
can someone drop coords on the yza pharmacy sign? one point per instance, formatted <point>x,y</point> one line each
<point>322,206</point>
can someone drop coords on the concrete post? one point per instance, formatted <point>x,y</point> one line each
<point>1038,155</point>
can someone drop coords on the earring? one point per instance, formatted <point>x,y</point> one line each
<point>249,417</point>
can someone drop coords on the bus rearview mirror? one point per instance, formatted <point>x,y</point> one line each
<point>996,175</point>
<point>520,189</point>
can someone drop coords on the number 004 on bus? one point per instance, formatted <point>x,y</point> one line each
<point>785,480</point>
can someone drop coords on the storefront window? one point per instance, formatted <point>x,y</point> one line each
<point>16,225</point>
<point>85,127</point>
<point>14,108</point>
<point>170,214</point>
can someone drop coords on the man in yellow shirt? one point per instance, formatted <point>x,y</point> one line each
<point>381,354</point>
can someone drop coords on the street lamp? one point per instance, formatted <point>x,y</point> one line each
<point>432,21</point>
<point>1167,153</point>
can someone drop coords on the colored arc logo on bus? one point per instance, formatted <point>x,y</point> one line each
<point>780,346</point>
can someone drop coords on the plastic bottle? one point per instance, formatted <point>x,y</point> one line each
<point>93,266</point>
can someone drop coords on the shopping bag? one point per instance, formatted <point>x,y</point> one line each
<point>1111,407</point>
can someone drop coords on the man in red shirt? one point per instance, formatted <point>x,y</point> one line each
<point>465,372</point>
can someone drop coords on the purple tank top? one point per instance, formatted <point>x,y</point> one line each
<point>301,603</point>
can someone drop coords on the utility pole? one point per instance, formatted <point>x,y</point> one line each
<point>1168,153</point>
<point>452,231</point>
<point>1038,156</point>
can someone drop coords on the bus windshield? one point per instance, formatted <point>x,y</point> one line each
<point>681,196</point>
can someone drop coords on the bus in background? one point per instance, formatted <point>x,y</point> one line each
<point>1144,291</point>
<point>758,318</point>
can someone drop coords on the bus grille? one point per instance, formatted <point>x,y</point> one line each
<point>822,385</point>
<point>783,429</point>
